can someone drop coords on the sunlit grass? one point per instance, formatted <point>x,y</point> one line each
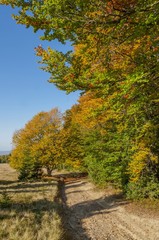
<point>28,211</point>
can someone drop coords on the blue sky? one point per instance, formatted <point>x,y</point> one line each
<point>24,90</point>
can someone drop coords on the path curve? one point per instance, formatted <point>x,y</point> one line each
<point>92,214</point>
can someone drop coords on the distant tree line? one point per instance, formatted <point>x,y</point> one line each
<point>4,158</point>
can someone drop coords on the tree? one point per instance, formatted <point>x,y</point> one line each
<point>115,60</point>
<point>72,141</point>
<point>105,158</point>
<point>106,32</point>
<point>4,158</point>
<point>37,144</point>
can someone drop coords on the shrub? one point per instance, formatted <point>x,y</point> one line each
<point>144,188</point>
<point>30,170</point>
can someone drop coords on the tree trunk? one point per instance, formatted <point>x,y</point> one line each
<point>49,171</point>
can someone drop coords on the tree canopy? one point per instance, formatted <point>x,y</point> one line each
<point>37,145</point>
<point>115,64</point>
<point>117,37</point>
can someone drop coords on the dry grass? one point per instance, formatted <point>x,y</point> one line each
<point>27,210</point>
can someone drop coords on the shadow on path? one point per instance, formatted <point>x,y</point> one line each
<point>72,231</point>
<point>74,215</point>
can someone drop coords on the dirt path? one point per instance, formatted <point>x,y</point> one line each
<point>97,215</point>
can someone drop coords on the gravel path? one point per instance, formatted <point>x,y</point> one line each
<point>91,214</point>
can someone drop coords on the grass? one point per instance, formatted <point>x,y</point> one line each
<point>28,211</point>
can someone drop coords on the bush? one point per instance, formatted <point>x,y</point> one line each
<point>144,188</point>
<point>5,200</point>
<point>4,158</point>
<point>103,171</point>
<point>30,170</point>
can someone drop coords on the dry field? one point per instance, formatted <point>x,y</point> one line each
<point>28,211</point>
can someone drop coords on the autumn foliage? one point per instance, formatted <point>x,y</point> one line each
<point>37,145</point>
<point>114,128</point>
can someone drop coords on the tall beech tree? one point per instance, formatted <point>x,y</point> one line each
<point>116,61</point>
<point>72,141</point>
<point>105,158</point>
<point>117,30</point>
<point>37,145</point>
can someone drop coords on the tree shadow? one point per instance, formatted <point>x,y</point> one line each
<point>78,183</point>
<point>34,212</point>
<point>40,205</point>
<point>10,200</point>
<point>18,187</point>
<point>74,215</point>
<point>24,191</point>
<point>7,182</point>
<point>73,175</point>
<point>19,207</point>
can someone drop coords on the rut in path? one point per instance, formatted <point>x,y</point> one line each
<point>91,214</point>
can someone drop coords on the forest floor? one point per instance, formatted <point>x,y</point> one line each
<point>93,214</point>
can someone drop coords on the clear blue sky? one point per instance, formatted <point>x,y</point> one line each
<point>24,90</point>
